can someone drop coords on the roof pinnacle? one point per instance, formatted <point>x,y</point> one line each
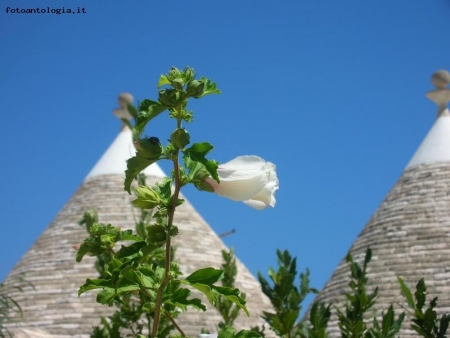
<point>440,95</point>
<point>122,111</point>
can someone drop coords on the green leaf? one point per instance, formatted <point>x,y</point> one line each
<point>92,284</point>
<point>147,111</point>
<point>180,299</point>
<point>130,237</point>
<point>210,87</point>
<point>319,317</point>
<point>206,276</point>
<point>82,251</point>
<point>207,290</point>
<point>134,166</point>
<point>127,288</point>
<point>197,152</point>
<point>164,188</point>
<point>163,80</point>
<point>133,112</point>
<point>421,291</point>
<point>233,295</point>
<point>444,321</point>
<point>113,264</point>
<point>129,252</point>
<point>203,280</point>
<point>146,277</point>
<point>127,123</point>
<point>197,170</point>
<point>106,296</point>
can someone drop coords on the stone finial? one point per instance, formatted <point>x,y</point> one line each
<point>441,95</point>
<point>122,111</point>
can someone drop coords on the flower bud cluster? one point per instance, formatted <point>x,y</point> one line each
<point>171,97</point>
<point>184,86</point>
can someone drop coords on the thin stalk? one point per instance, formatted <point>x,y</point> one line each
<point>170,217</point>
<point>174,323</point>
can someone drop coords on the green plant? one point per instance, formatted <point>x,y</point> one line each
<point>424,321</point>
<point>285,297</point>
<point>137,269</point>
<point>227,309</point>
<point>389,325</point>
<point>352,322</point>
<point>319,315</point>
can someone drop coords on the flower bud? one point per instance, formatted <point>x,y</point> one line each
<point>178,84</point>
<point>195,88</point>
<point>156,235</point>
<point>147,198</point>
<point>180,138</point>
<point>149,147</point>
<point>173,74</point>
<point>189,74</point>
<point>168,97</point>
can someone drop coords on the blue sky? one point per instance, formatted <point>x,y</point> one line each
<point>331,92</point>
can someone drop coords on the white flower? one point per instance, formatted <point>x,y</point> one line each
<point>249,179</point>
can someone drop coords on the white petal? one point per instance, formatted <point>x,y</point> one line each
<point>266,195</point>
<point>247,162</point>
<point>238,175</point>
<point>258,205</point>
<point>239,189</point>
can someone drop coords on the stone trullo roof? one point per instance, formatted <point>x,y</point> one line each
<point>409,234</point>
<point>52,307</point>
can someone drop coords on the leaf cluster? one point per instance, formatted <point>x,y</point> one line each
<point>286,298</point>
<point>425,321</point>
<point>319,315</point>
<point>389,327</point>
<point>102,239</point>
<point>131,276</point>
<point>227,309</point>
<point>179,86</point>
<point>352,322</point>
<point>204,280</point>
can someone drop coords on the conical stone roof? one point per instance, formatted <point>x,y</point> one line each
<point>409,234</point>
<point>51,306</point>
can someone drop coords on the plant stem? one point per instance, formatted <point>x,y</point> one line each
<point>170,217</point>
<point>174,323</point>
